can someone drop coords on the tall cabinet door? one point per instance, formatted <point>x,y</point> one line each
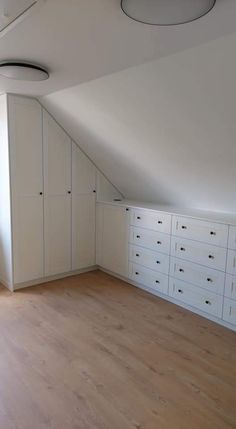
<point>83,210</point>
<point>57,201</point>
<point>25,131</point>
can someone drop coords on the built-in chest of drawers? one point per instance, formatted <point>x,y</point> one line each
<point>189,260</point>
<point>185,258</point>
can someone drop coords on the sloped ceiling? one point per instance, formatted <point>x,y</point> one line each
<point>81,40</point>
<point>164,131</point>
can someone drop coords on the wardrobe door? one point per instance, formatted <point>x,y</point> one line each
<point>25,132</point>
<point>83,210</point>
<point>57,201</point>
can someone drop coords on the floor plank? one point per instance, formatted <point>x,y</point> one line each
<point>91,352</point>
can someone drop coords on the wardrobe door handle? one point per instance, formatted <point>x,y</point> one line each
<point>40,193</point>
<point>68,192</point>
<point>137,274</point>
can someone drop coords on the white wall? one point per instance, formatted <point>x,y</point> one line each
<point>164,131</point>
<point>5,216</point>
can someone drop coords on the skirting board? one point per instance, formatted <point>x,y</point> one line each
<point>55,277</point>
<point>172,300</point>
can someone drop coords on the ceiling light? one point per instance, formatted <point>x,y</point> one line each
<point>166,12</point>
<point>22,71</point>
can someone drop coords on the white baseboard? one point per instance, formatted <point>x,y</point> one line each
<point>54,277</point>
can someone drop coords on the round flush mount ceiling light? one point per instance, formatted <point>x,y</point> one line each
<point>23,71</point>
<point>166,12</point>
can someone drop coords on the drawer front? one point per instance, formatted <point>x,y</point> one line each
<point>232,238</point>
<point>229,311</point>
<point>154,260</point>
<point>151,239</point>
<point>207,232</point>
<point>200,253</point>
<point>151,220</point>
<point>206,301</point>
<point>149,278</point>
<point>231,262</point>
<point>230,286</point>
<point>198,275</point>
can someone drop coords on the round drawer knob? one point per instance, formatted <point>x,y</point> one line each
<point>160,222</point>
<point>137,273</point>
<point>213,233</point>
<point>180,291</point>
<point>157,281</point>
<point>184,227</point>
<point>158,262</point>
<point>209,279</point>
<point>181,270</point>
<point>138,217</point>
<point>158,242</point>
<point>137,236</point>
<point>182,249</point>
<point>137,254</point>
<point>208,302</point>
<point>211,257</point>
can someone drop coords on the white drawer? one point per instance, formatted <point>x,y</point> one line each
<point>231,262</point>
<point>200,253</point>
<point>149,278</point>
<point>154,260</point>
<point>151,220</point>
<point>207,278</point>
<point>151,239</point>
<point>229,311</point>
<point>232,238</point>
<point>206,301</point>
<point>194,229</point>
<point>230,286</point>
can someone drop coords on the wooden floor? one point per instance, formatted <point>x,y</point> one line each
<point>91,352</point>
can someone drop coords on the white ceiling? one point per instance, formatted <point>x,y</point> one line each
<point>81,40</point>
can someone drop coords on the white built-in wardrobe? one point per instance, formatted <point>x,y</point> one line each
<point>47,197</point>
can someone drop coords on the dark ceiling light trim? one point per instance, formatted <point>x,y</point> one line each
<point>15,70</point>
<point>166,25</point>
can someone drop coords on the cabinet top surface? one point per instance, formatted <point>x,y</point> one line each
<point>221,217</point>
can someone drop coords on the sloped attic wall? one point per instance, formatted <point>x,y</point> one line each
<point>164,131</point>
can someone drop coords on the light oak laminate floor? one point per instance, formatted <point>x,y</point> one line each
<point>91,352</point>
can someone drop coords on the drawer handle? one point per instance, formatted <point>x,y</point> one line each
<point>138,217</point>
<point>137,254</point>
<point>157,281</point>
<point>160,222</point>
<point>181,270</point>
<point>208,302</point>
<point>158,262</point>
<point>127,209</point>
<point>184,227</point>
<point>137,236</point>
<point>158,242</point>
<point>211,257</point>
<point>212,233</point>
<point>209,279</point>
<point>180,291</point>
<point>137,274</point>
<point>182,249</point>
